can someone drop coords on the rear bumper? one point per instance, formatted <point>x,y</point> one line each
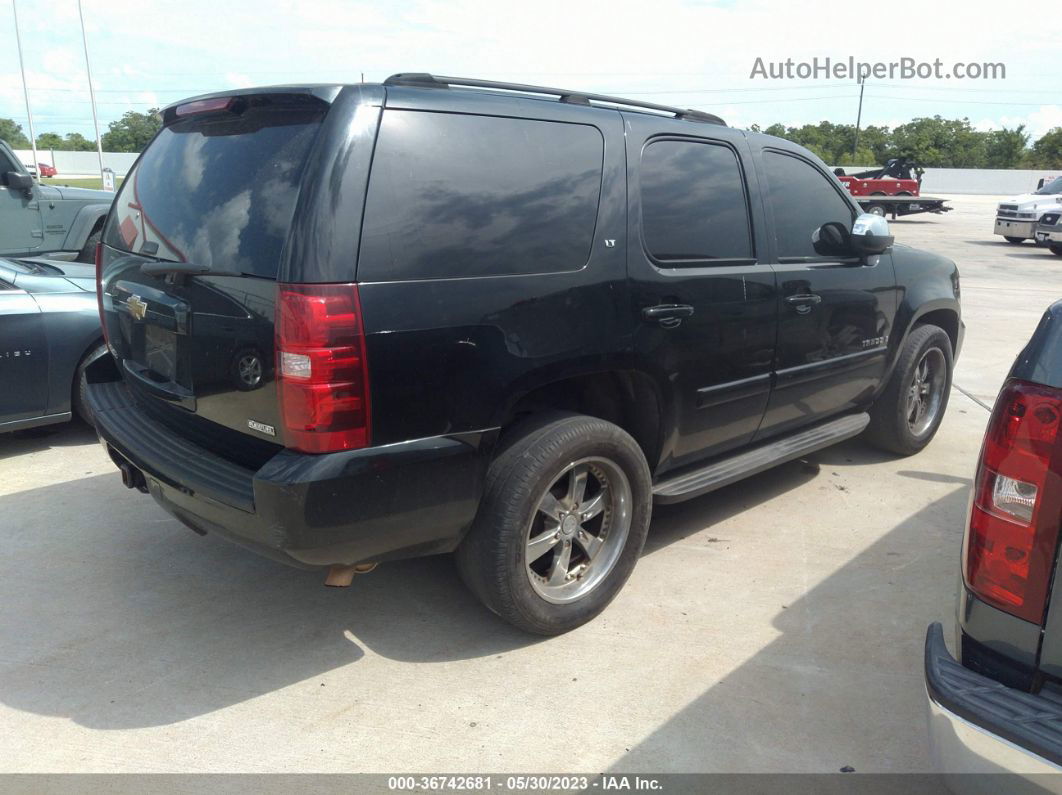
<point>977,725</point>
<point>380,503</point>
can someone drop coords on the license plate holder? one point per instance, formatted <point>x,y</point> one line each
<point>160,352</point>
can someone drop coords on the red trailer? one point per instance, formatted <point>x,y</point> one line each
<point>894,189</point>
<point>897,177</point>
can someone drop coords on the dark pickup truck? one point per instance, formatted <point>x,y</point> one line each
<point>358,323</point>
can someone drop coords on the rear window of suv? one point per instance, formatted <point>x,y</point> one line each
<point>455,195</point>
<point>219,190</point>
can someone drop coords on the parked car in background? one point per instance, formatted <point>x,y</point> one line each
<point>1016,218</point>
<point>632,303</point>
<point>45,170</point>
<point>36,219</point>
<point>49,333</point>
<point>997,708</point>
<point>1049,232</point>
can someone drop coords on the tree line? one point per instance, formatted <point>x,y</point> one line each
<point>932,142</point>
<point>130,133</point>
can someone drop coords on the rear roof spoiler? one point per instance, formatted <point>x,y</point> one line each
<point>324,92</point>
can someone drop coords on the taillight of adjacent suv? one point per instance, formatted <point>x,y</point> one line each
<point>99,288</point>
<point>322,374</point>
<point>1009,550</point>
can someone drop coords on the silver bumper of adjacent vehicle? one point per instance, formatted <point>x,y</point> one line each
<point>1049,234</point>
<point>977,726</point>
<point>1009,227</point>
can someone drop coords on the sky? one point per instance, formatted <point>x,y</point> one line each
<point>698,54</point>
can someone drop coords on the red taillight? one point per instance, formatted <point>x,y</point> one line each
<point>322,374</point>
<point>1017,502</point>
<point>99,288</point>
<point>205,106</point>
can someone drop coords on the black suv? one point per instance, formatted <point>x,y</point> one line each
<point>359,323</point>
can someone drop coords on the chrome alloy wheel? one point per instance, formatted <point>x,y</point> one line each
<point>578,530</point>
<point>250,369</point>
<point>925,395</point>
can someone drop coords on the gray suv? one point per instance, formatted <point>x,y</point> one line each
<point>37,218</point>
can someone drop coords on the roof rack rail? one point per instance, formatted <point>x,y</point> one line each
<point>425,80</point>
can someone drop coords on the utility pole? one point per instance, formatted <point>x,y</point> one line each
<point>25,92</point>
<point>92,91</point>
<point>859,116</point>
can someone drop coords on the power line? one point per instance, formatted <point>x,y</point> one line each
<point>980,90</point>
<point>963,102</point>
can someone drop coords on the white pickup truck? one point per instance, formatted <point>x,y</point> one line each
<point>1016,218</point>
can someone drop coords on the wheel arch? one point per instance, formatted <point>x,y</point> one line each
<point>628,397</point>
<point>96,342</point>
<point>88,219</point>
<point>946,318</point>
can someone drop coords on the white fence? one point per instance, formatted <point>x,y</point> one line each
<point>73,164</point>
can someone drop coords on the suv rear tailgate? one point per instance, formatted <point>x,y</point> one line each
<point>1041,362</point>
<point>213,198</point>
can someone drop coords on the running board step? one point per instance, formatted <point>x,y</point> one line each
<point>723,473</point>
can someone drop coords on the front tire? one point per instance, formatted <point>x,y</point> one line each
<point>906,416</point>
<point>1056,249</point>
<point>88,251</point>
<point>563,519</point>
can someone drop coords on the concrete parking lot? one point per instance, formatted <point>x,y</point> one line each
<point>776,625</point>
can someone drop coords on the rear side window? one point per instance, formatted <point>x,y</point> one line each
<point>218,190</point>
<point>802,199</point>
<point>460,195</point>
<point>693,203</point>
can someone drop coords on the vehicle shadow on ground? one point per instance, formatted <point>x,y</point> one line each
<point>116,616</point>
<point>1015,249</point>
<point>34,440</point>
<point>813,693</point>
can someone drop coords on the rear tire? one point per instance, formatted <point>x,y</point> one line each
<point>877,209</point>
<point>906,416</point>
<point>88,251</point>
<point>1015,240</point>
<point>81,407</point>
<point>545,553</point>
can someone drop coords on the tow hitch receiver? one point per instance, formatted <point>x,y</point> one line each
<point>132,477</point>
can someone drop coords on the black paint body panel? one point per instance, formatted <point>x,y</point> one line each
<point>452,353</point>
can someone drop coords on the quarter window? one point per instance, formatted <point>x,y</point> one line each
<point>693,203</point>
<point>454,195</point>
<point>802,199</point>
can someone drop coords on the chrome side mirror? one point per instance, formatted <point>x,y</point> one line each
<point>870,235</point>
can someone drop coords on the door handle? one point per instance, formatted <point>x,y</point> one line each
<point>667,315</point>
<point>803,299</point>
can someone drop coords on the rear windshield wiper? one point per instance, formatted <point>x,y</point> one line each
<point>186,268</point>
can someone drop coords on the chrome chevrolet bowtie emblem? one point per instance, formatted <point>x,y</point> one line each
<point>137,307</point>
